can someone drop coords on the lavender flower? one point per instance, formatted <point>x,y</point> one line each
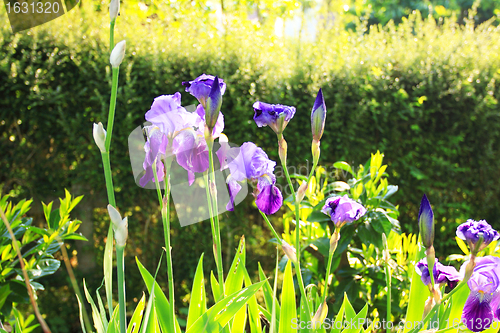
<point>250,163</point>
<point>177,132</point>
<point>343,210</point>
<point>442,274</point>
<point>169,116</point>
<point>155,148</point>
<point>201,87</point>
<point>275,116</point>
<point>471,231</point>
<point>481,306</point>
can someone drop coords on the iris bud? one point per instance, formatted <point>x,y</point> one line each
<point>318,117</point>
<point>426,222</point>
<point>117,54</point>
<point>120,227</point>
<point>290,251</point>
<point>99,136</point>
<point>301,192</point>
<point>114,9</point>
<point>320,315</point>
<point>214,103</point>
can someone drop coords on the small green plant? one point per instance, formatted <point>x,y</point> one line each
<point>37,246</point>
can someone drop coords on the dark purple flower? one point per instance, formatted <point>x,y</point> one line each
<point>269,199</point>
<point>250,163</point>
<point>426,222</point>
<point>275,116</point>
<point>442,273</point>
<point>318,116</point>
<point>343,210</point>
<point>213,104</point>
<point>481,306</point>
<point>471,231</point>
<point>201,86</point>
<point>155,148</point>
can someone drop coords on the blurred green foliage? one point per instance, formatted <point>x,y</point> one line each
<point>382,11</point>
<point>424,92</point>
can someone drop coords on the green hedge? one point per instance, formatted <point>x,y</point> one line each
<point>424,93</point>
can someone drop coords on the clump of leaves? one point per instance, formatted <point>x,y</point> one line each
<point>37,245</point>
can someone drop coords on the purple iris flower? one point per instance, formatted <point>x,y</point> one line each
<point>168,115</point>
<point>343,210</point>
<point>201,86</point>
<point>190,147</point>
<point>481,307</point>
<point>442,273</point>
<point>471,230</point>
<point>250,163</point>
<point>155,148</point>
<point>275,116</point>
<point>175,131</point>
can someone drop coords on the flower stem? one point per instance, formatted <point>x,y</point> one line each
<point>112,106</point>
<point>108,177</point>
<point>112,34</point>
<point>271,227</point>
<point>388,297</point>
<point>333,247</point>
<point>215,210</point>
<point>210,211</point>
<point>165,215</point>
<point>120,266</point>
<point>315,164</point>
<point>283,156</point>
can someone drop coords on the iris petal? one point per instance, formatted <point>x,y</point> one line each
<point>269,200</point>
<point>477,314</point>
<point>234,188</point>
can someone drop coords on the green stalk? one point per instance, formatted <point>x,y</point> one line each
<point>108,177</point>
<point>215,210</point>
<point>112,34</point>
<point>388,283</point>
<point>165,214</point>
<point>271,227</point>
<point>282,154</point>
<point>112,106</point>
<point>330,259</point>
<point>210,211</point>
<point>315,164</point>
<point>120,266</point>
